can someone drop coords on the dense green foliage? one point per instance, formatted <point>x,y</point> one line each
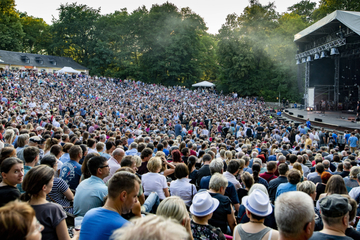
<point>253,53</point>
<point>11,31</point>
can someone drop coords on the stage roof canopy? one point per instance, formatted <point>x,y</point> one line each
<point>348,18</point>
<point>203,84</point>
<point>68,70</point>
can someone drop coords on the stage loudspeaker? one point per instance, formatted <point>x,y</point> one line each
<point>318,119</point>
<point>291,113</point>
<point>300,116</point>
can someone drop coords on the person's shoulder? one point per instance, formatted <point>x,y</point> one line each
<point>282,185</point>
<point>320,235</point>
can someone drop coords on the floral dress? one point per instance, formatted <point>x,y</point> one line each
<point>206,232</point>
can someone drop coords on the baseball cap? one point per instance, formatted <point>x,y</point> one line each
<point>39,128</point>
<point>334,206</point>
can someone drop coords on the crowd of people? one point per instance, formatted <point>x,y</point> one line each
<point>97,158</point>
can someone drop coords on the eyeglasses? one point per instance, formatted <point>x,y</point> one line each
<point>104,166</point>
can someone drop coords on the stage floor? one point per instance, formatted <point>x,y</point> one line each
<point>330,117</point>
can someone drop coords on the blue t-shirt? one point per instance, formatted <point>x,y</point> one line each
<point>230,191</point>
<point>335,137</point>
<point>100,223</point>
<point>71,173</point>
<point>285,187</point>
<point>352,141</point>
<point>347,136</point>
<point>166,152</point>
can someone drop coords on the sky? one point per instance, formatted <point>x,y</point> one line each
<point>213,12</point>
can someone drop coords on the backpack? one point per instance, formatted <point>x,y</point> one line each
<point>341,140</point>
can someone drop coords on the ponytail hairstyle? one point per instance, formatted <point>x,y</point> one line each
<point>35,179</point>
<point>49,143</point>
<point>191,162</point>
<point>256,170</point>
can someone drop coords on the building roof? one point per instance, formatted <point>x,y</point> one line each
<point>348,18</point>
<point>37,60</point>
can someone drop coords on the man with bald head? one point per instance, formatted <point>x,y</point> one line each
<point>114,162</point>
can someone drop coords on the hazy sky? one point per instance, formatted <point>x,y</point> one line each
<point>213,12</point>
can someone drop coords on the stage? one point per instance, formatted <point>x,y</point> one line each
<point>335,120</point>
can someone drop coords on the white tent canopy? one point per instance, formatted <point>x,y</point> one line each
<point>348,18</point>
<point>204,84</point>
<point>68,70</point>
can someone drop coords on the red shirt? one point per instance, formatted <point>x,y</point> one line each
<point>268,176</point>
<point>192,153</point>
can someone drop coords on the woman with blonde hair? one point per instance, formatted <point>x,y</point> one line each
<point>9,137</point>
<point>228,156</point>
<point>29,126</point>
<point>173,207</point>
<point>49,143</point>
<point>153,181</point>
<point>167,168</point>
<point>299,167</point>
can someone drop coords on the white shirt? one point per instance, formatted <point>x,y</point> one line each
<point>183,189</point>
<point>354,192</point>
<point>154,182</point>
<point>231,178</point>
<point>113,165</point>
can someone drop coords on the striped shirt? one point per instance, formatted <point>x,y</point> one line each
<point>57,194</point>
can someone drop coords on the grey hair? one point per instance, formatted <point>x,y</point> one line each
<point>292,211</point>
<point>307,187</point>
<point>133,145</point>
<point>258,161</point>
<point>173,207</point>
<point>281,158</point>
<point>216,166</point>
<point>151,227</point>
<point>354,171</point>
<point>217,181</point>
<point>102,136</point>
<point>254,154</point>
<point>326,163</point>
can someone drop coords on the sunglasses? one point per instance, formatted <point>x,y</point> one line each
<point>104,166</point>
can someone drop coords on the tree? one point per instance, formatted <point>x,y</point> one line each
<point>11,31</point>
<point>74,32</point>
<point>305,8</point>
<point>37,36</point>
<point>170,45</point>
<point>328,6</point>
<point>256,52</point>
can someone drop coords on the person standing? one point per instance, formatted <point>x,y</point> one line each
<point>353,142</point>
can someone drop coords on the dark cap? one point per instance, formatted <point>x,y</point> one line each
<point>334,206</point>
